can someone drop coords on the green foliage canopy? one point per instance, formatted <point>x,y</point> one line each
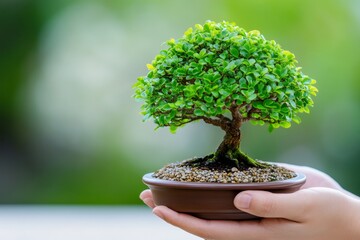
<point>217,67</point>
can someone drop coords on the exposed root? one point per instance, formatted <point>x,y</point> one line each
<point>227,161</point>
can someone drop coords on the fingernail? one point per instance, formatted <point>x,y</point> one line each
<point>141,196</point>
<point>147,201</point>
<point>158,213</point>
<point>243,200</point>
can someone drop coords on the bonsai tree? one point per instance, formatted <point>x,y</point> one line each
<point>224,76</point>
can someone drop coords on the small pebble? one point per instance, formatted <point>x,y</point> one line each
<point>184,172</point>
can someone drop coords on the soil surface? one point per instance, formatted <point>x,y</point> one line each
<point>186,172</point>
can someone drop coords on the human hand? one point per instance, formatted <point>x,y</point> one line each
<point>312,214</point>
<point>316,178</point>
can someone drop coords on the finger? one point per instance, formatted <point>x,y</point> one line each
<point>212,229</point>
<point>145,194</point>
<point>291,206</point>
<point>146,197</point>
<point>314,177</point>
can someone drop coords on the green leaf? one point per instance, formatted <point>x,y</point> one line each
<point>292,103</point>
<point>224,92</point>
<point>285,110</point>
<point>171,41</point>
<point>269,103</point>
<point>167,107</point>
<point>264,71</point>
<point>179,48</point>
<point>268,88</point>
<point>255,115</point>
<point>285,124</point>
<point>220,103</point>
<point>271,128</point>
<point>198,112</point>
<point>215,93</point>
<point>208,99</point>
<point>173,129</point>
<point>198,26</point>
<point>252,61</point>
<point>252,97</point>
<point>254,122</point>
<point>254,32</point>
<point>172,114</point>
<point>188,31</point>
<point>204,108</point>
<point>243,83</point>
<point>296,119</point>
<point>276,125</point>
<point>234,51</point>
<point>274,115</point>
<point>181,71</point>
<point>271,77</point>
<point>161,120</point>
<point>258,105</point>
<point>180,103</point>
<point>249,79</point>
<point>206,27</point>
<point>202,52</point>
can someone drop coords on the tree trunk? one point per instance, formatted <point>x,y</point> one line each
<point>231,142</point>
<point>229,151</point>
<point>228,154</point>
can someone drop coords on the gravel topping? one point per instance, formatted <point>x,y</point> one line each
<point>183,172</point>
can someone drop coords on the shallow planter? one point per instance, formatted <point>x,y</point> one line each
<point>212,200</point>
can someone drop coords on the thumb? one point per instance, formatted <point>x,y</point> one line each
<point>273,205</point>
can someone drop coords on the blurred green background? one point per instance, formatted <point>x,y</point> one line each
<point>71,133</point>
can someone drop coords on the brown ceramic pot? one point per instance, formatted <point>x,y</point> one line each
<point>212,200</point>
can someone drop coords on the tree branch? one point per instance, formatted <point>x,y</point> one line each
<point>236,116</point>
<point>250,110</point>
<point>187,116</point>
<point>222,122</point>
<point>183,123</point>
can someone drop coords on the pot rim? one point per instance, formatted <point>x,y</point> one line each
<point>298,180</point>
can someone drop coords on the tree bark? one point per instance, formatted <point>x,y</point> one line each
<point>231,142</point>
<point>229,151</point>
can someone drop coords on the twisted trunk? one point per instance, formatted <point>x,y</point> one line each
<point>229,151</point>
<point>230,142</point>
